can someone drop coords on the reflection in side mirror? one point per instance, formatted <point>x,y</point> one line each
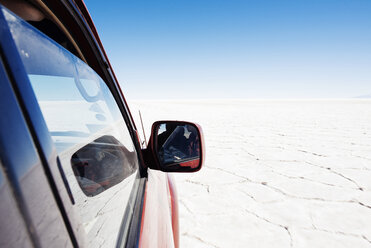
<point>177,146</point>
<point>101,164</point>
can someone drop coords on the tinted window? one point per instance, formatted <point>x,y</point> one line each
<point>86,125</point>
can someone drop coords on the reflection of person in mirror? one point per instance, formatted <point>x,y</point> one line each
<point>193,145</point>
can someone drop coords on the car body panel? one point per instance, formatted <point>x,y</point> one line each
<point>156,229</point>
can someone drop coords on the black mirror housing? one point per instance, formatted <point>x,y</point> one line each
<point>175,146</point>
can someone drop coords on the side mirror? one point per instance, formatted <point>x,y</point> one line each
<point>175,146</point>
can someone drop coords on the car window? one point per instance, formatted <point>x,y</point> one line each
<point>90,135</point>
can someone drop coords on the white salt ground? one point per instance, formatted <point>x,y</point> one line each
<point>278,173</point>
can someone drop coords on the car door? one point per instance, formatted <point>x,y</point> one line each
<point>85,142</point>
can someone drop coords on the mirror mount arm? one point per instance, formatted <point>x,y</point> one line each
<point>149,159</point>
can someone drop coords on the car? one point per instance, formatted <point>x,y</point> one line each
<point>73,169</point>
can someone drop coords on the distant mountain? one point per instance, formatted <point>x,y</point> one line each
<point>364,96</point>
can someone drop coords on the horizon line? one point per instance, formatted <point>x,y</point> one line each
<point>250,99</point>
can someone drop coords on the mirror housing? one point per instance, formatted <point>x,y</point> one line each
<point>175,146</point>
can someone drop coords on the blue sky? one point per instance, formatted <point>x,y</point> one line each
<point>237,49</point>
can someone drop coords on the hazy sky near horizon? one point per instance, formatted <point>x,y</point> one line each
<point>237,48</point>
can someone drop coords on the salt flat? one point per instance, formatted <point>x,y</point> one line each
<point>278,173</point>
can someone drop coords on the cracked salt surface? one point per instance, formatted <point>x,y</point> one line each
<point>278,173</point>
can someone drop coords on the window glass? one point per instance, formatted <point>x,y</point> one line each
<point>91,137</point>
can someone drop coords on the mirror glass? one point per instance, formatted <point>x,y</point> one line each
<point>178,144</point>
